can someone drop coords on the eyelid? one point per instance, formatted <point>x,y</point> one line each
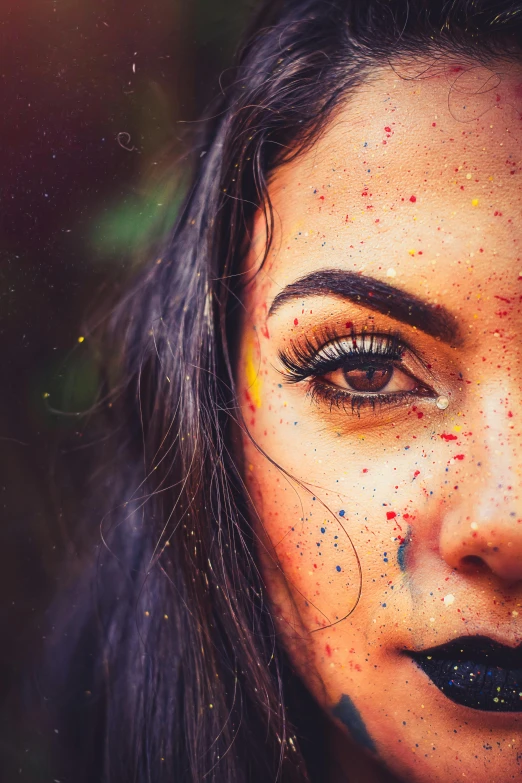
<point>362,345</point>
<point>303,362</point>
<point>303,356</point>
<point>388,343</point>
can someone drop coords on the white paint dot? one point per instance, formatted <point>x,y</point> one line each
<point>442,403</point>
<point>449,599</point>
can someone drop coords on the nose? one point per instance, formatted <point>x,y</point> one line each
<point>482,524</point>
<point>488,542</point>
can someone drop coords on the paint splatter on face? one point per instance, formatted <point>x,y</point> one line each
<point>388,482</point>
<point>349,715</point>
<point>402,551</point>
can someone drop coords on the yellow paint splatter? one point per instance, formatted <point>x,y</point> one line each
<point>81,339</point>
<point>252,376</point>
<point>474,202</point>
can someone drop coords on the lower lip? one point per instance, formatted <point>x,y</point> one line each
<point>475,684</point>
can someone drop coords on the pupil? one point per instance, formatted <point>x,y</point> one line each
<point>369,378</point>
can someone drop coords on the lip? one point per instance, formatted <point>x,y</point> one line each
<point>476,672</point>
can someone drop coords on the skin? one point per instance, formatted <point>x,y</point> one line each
<point>405,492</point>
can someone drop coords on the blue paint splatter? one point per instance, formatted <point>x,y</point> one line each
<point>337,568</point>
<point>403,550</point>
<point>341,513</point>
<point>348,714</point>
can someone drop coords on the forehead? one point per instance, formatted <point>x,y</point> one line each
<point>416,178</point>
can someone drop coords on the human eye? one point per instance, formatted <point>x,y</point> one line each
<point>358,370</point>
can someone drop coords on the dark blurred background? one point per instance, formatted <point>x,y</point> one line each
<point>97,98</point>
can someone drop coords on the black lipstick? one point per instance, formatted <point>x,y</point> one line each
<point>476,672</point>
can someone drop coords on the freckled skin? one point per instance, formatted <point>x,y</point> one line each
<point>435,211</point>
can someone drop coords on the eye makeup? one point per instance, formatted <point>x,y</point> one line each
<point>361,370</point>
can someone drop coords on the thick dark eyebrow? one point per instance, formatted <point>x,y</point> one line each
<point>373,294</point>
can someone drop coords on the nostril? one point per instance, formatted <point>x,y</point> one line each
<point>474,561</point>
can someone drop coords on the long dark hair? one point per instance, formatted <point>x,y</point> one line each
<point>164,645</point>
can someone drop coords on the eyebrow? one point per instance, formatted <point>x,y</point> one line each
<point>376,295</point>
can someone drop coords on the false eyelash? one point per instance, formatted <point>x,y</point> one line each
<point>334,397</point>
<point>303,361</point>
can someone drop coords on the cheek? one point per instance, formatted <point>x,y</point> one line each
<point>348,512</point>
<point>337,518</point>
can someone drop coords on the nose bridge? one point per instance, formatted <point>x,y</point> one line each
<point>484,525</point>
<point>499,458</point>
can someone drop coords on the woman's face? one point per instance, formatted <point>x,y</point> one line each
<point>380,372</point>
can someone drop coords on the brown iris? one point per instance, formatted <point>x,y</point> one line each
<point>370,378</point>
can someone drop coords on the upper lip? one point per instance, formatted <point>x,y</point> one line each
<point>480,649</point>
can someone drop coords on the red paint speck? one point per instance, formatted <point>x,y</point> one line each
<point>250,402</point>
<point>413,199</point>
<point>448,436</point>
<point>348,325</point>
<point>365,470</point>
<point>328,650</point>
<point>417,473</point>
<point>390,515</point>
<point>295,321</point>
<point>459,456</point>
<point>387,129</point>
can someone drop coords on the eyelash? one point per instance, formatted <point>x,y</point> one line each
<point>303,362</point>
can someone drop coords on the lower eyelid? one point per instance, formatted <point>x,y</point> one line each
<point>331,395</point>
<point>335,395</point>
